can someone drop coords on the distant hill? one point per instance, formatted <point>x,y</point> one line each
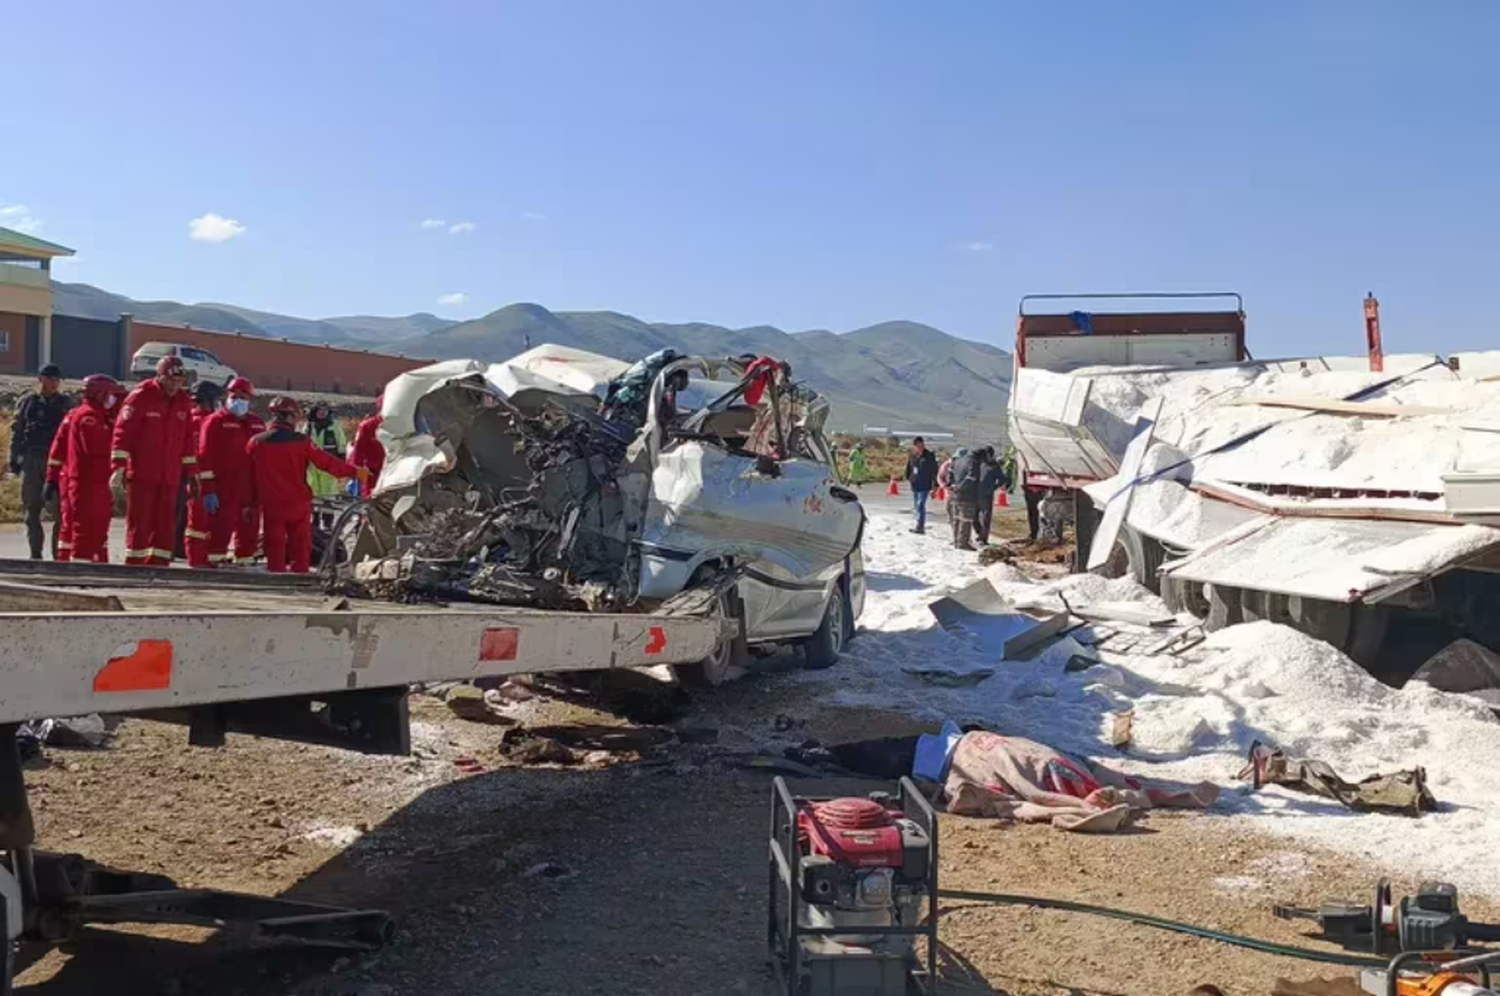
<point>363,331</point>
<point>895,374</point>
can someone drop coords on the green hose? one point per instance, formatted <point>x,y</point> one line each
<point>1254,944</point>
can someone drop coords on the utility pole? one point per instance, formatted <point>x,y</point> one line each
<point>1372,333</point>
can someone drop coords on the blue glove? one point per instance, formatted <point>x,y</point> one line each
<point>351,487</point>
<point>211,504</point>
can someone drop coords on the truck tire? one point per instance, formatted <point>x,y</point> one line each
<point>1224,608</point>
<point>823,648</point>
<point>1190,597</point>
<point>1137,555</point>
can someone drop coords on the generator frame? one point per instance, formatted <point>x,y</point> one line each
<point>784,934</point>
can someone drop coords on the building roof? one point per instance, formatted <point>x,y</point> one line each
<point>22,244</point>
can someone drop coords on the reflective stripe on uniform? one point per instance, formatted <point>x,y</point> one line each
<point>207,475</point>
<point>217,558</point>
<point>119,455</point>
<point>156,552</point>
<point>189,459</point>
<point>54,463</point>
<point>194,534</point>
<point>137,554</point>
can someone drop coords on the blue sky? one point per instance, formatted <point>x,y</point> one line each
<point>804,164</point>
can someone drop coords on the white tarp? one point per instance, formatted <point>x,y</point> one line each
<point>1336,560</point>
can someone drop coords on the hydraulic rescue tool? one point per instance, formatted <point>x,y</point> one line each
<point>1428,921</point>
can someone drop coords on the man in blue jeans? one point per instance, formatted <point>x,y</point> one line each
<point>921,474</point>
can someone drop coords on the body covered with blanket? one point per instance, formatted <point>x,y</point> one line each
<point>1017,779</point>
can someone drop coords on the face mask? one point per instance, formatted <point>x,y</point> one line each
<point>239,407</point>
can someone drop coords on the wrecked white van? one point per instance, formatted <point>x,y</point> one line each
<point>565,479</point>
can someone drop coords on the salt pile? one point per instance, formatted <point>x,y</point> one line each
<point>1194,717</point>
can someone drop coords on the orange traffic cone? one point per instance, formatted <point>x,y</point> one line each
<point>894,489</point>
<point>940,494</point>
<point>1002,499</point>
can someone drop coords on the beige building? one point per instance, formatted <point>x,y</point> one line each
<point>26,300</point>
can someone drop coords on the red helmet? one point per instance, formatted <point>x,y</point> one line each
<point>98,387</point>
<point>282,405</point>
<point>242,385</point>
<point>170,366</point>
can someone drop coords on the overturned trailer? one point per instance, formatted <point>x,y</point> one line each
<point>1358,506</point>
<point>564,479</point>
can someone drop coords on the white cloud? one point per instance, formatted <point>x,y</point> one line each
<point>452,300</point>
<point>977,246</point>
<point>533,216</point>
<point>19,218</point>
<point>462,227</point>
<point>214,228</point>
<point>433,223</point>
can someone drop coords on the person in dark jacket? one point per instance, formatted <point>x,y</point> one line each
<point>992,478</point>
<point>963,493</point>
<point>38,416</point>
<point>921,474</point>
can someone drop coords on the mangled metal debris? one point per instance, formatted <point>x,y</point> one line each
<point>565,480</point>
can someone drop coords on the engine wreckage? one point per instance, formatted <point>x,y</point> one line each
<point>563,479</point>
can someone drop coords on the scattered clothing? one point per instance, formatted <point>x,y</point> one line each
<point>1403,792</point>
<point>1017,779</point>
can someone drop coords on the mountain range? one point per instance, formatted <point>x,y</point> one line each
<point>897,374</point>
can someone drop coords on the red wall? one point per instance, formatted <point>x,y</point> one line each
<point>274,364</point>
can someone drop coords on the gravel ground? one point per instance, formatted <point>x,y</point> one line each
<point>626,875</point>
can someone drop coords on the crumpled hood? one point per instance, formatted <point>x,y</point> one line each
<point>412,453</point>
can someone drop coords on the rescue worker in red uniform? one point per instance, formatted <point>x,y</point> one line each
<point>206,395</point>
<point>56,488</point>
<point>224,508</point>
<point>279,459</point>
<point>83,450</point>
<point>367,451</point>
<point>153,442</point>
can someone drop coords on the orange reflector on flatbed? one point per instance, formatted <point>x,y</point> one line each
<point>657,642</point>
<point>146,668</point>
<point>499,644</point>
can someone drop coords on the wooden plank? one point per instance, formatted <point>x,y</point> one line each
<point>1332,406</point>
<point>1130,469</point>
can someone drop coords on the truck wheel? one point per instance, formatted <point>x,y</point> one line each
<point>822,650</point>
<point>1137,555</point>
<point>1224,608</point>
<point>1267,606</point>
<point>1181,596</point>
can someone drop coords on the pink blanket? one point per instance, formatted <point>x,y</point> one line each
<point>1016,779</point>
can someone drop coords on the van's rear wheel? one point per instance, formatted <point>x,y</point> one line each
<point>824,647</point>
